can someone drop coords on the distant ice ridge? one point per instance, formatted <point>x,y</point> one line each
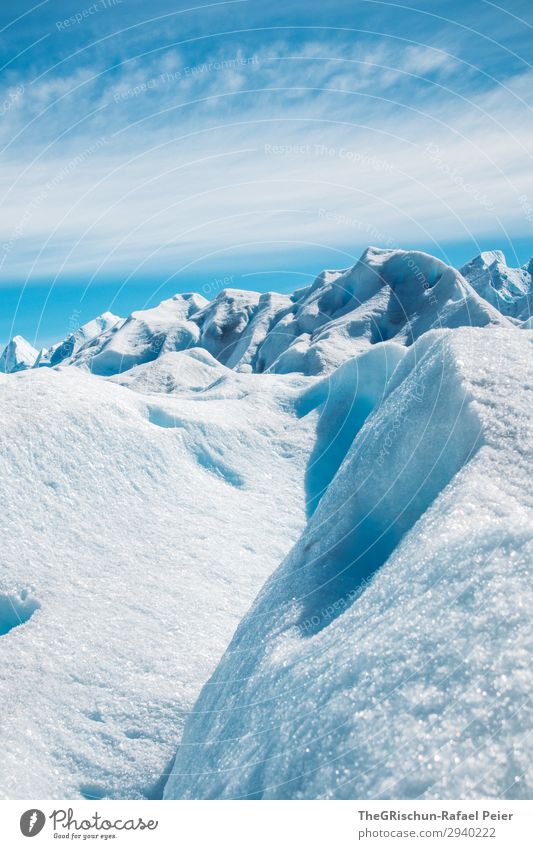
<point>388,656</point>
<point>510,290</point>
<point>79,338</point>
<point>17,356</point>
<point>387,294</point>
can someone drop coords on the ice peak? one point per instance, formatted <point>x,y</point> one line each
<point>18,355</point>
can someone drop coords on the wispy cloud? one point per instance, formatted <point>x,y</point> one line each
<point>166,158</point>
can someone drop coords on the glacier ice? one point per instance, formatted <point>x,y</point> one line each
<point>387,657</point>
<point>17,356</point>
<point>144,521</point>
<point>143,336</point>
<point>510,290</point>
<point>77,339</point>
<point>388,294</point>
<point>370,434</point>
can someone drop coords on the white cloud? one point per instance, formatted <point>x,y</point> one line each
<point>193,162</point>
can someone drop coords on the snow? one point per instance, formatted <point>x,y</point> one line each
<point>368,433</point>
<point>140,523</point>
<point>17,356</point>
<point>193,369</point>
<point>387,657</point>
<point>224,320</point>
<point>270,309</point>
<point>344,400</point>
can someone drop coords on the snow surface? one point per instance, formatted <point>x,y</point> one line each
<point>159,470</point>
<point>193,369</point>
<point>141,526</point>
<point>388,657</point>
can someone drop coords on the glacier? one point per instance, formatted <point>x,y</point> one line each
<point>76,340</point>
<point>387,657</point>
<point>508,289</point>
<point>388,294</point>
<point>18,355</point>
<point>285,536</point>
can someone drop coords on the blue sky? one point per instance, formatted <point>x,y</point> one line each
<point>153,148</point>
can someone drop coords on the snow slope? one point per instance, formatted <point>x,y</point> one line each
<point>17,356</point>
<point>387,294</point>
<point>191,370</point>
<point>138,522</point>
<point>388,656</point>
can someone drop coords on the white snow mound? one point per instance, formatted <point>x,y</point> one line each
<point>388,657</point>
<point>78,339</point>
